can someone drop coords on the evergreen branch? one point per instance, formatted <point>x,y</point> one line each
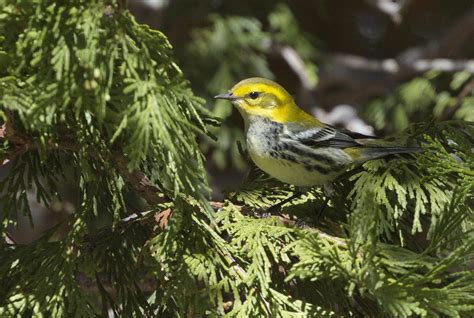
<point>243,275</point>
<point>22,143</point>
<point>138,179</point>
<point>338,241</point>
<point>291,223</point>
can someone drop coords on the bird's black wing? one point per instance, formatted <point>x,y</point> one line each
<point>354,135</point>
<point>329,137</point>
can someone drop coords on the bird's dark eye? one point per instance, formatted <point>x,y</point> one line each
<point>253,95</point>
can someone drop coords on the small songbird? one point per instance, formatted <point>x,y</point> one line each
<point>293,146</point>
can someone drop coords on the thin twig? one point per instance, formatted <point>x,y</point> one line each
<point>9,239</point>
<point>390,7</point>
<point>296,63</point>
<point>140,181</point>
<point>394,66</point>
<point>147,284</point>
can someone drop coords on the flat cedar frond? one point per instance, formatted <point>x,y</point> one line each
<point>90,97</point>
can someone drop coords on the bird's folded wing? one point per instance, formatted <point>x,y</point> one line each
<point>326,137</point>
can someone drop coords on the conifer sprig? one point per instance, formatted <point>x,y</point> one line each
<point>90,97</point>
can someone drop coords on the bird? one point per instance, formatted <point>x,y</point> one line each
<point>293,146</point>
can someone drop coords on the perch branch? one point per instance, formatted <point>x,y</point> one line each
<point>291,223</point>
<point>138,179</point>
<point>149,192</point>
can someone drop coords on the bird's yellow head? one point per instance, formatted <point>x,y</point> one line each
<point>261,97</point>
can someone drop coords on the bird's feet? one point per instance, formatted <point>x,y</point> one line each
<point>262,214</point>
<point>276,207</point>
<point>300,223</point>
<point>320,212</point>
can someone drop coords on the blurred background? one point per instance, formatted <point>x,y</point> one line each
<point>372,66</point>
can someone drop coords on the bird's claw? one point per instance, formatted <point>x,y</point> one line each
<point>300,223</point>
<point>262,214</point>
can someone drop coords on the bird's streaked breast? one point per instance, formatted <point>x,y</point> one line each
<point>274,150</point>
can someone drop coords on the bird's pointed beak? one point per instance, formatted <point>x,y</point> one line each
<point>228,96</point>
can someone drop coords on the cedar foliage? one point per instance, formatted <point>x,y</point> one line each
<point>91,97</point>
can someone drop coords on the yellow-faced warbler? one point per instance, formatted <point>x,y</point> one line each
<point>293,146</point>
